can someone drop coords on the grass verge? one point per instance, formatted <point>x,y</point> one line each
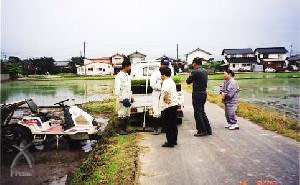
<point>114,159</point>
<point>268,118</point>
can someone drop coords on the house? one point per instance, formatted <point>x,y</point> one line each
<point>165,56</point>
<point>62,66</point>
<point>272,58</point>
<point>99,66</point>
<point>294,63</point>
<point>116,61</point>
<point>206,56</point>
<point>239,59</point>
<point>106,60</point>
<point>136,57</point>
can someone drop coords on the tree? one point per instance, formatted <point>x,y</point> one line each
<point>75,61</point>
<point>13,67</point>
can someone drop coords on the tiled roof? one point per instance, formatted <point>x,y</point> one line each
<point>272,50</point>
<point>198,49</point>
<point>137,53</point>
<point>237,51</point>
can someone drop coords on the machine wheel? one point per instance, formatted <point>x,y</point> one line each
<point>53,143</point>
<point>17,135</point>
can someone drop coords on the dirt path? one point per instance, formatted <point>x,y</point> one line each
<point>250,154</point>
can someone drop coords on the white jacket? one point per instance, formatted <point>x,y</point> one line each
<point>155,80</point>
<point>123,86</point>
<point>168,90</point>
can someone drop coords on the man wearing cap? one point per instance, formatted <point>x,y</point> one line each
<point>155,83</point>
<point>199,79</point>
<point>124,96</point>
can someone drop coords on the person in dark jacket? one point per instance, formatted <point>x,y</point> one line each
<point>199,79</point>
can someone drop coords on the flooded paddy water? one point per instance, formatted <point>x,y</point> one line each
<point>283,94</point>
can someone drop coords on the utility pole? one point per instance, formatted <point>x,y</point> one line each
<point>84,49</point>
<point>177,51</point>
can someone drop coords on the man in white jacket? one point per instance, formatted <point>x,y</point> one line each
<point>124,96</point>
<point>168,103</point>
<point>155,83</point>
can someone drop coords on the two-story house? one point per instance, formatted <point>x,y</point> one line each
<point>239,59</point>
<point>136,57</point>
<point>200,53</point>
<point>116,61</point>
<point>273,57</point>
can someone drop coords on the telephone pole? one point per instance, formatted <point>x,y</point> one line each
<point>84,49</point>
<point>177,51</point>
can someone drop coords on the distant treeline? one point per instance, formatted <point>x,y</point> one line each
<point>37,66</point>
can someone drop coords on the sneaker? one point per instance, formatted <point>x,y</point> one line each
<point>234,127</point>
<point>228,125</point>
<point>200,134</point>
<point>169,145</point>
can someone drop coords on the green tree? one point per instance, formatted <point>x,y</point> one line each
<point>75,61</point>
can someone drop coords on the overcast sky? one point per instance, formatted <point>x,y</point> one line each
<point>58,28</point>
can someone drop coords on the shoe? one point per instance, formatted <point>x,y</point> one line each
<point>209,132</point>
<point>175,143</point>
<point>228,125</point>
<point>122,132</point>
<point>234,127</point>
<point>155,132</point>
<point>169,145</point>
<point>200,134</point>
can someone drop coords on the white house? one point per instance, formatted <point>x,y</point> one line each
<point>240,59</point>
<point>273,57</point>
<point>95,67</point>
<point>136,57</point>
<point>116,61</point>
<point>206,56</point>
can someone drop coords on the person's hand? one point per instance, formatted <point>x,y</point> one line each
<point>223,96</point>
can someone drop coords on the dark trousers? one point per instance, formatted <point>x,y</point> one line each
<point>202,123</point>
<point>168,118</point>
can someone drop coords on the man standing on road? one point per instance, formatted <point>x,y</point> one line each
<point>230,95</point>
<point>168,102</point>
<point>124,96</point>
<point>155,83</point>
<point>199,79</point>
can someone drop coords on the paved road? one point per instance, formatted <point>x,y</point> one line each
<point>227,157</point>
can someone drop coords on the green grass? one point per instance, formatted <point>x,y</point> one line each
<point>114,159</point>
<point>177,80</point>
<point>266,117</point>
<point>106,106</point>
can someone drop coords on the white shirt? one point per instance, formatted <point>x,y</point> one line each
<point>123,86</point>
<point>169,91</point>
<point>155,80</point>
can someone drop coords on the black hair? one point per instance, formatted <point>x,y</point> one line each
<point>197,60</point>
<point>228,71</point>
<point>126,62</point>
<point>165,71</point>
